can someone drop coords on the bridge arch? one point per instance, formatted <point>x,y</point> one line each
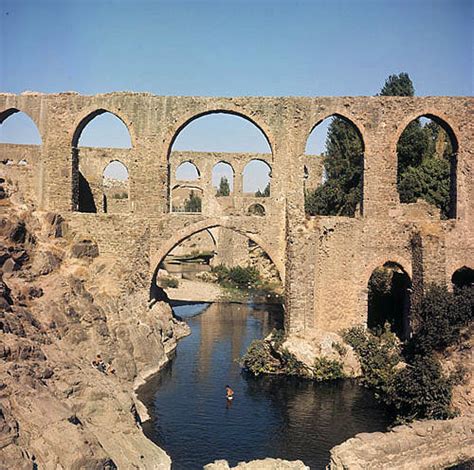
<point>89,115</point>
<point>186,232</point>
<point>193,116</point>
<point>358,126</point>
<point>388,299</point>
<point>4,115</point>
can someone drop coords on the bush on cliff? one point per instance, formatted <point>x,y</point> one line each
<point>378,355</point>
<point>442,315</point>
<point>327,369</point>
<point>420,391</point>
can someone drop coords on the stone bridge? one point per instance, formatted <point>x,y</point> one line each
<point>325,262</point>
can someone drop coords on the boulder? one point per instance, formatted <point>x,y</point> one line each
<point>85,249</point>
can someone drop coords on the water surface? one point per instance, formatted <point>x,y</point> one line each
<point>269,417</point>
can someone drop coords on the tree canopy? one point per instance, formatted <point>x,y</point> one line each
<point>424,153</point>
<point>224,188</point>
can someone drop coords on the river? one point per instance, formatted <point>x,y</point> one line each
<point>269,417</point>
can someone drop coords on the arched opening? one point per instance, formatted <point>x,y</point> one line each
<point>220,137</point>
<point>213,259</point>
<point>223,179</point>
<point>99,130</point>
<point>335,158</point>
<point>18,128</point>
<point>187,199</point>
<point>256,178</point>
<point>389,289</point>
<point>463,277</point>
<point>256,209</point>
<point>427,161</point>
<point>115,188</point>
<point>187,171</point>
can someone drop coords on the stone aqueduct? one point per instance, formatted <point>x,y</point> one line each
<point>326,262</point>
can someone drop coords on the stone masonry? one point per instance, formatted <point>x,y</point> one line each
<point>325,262</point>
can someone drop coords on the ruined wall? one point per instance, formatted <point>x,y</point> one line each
<point>326,261</point>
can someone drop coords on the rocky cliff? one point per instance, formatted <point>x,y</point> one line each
<point>61,304</point>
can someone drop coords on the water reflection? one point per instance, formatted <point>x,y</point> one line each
<point>270,416</point>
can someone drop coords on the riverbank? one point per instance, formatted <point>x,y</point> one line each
<point>199,291</point>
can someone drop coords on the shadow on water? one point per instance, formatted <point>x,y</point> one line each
<point>269,417</point>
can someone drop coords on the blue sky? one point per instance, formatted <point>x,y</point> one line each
<point>232,48</point>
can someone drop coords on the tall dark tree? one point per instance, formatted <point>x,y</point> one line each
<point>224,188</point>
<point>398,85</point>
<point>343,163</point>
<point>424,151</point>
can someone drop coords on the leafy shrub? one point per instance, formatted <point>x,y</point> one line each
<point>238,276</point>
<point>442,314</point>
<point>421,391</point>
<point>327,369</point>
<point>378,355</point>
<point>170,282</point>
<point>258,358</point>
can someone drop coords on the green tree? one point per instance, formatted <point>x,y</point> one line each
<point>398,85</point>
<point>343,162</point>
<point>224,188</point>
<point>193,203</point>
<point>265,192</point>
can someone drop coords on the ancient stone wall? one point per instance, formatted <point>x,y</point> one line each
<point>325,261</point>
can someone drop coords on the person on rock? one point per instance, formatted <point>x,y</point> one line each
<point>99,364</point>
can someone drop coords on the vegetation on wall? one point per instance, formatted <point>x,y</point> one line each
<point>424,150</point>
<point>408,377</point>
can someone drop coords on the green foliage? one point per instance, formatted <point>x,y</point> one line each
<point>421,391</point>
<point>429,181</point>
<point>193,203</point>
<point>343,162</point>
<point>169,282</point>
<point>327,369</point>
<point>442,315</point>
<point>258,358</point>
<point>378,355</point>
<point>265,192</point>
<point>224,188</point>
<point>239,277</point>
<point>398,85</point>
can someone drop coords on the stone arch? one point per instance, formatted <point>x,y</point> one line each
<point>89,116</point>
<point>195,115</point>
<point>322,170</point>
<point>182,191</point>
<point>4,115</point>
<point>189,230</point>
<point>195,167</point>
<point>115,191</point>
<point>388,298</point>
<point>228,165</point>
<point>269,169</point>
<point>395,258</point>
<point>84,192</point>
<point>358,126</point>
<point>256,209</point>
<point>453,162</point>
<point>463,276</point>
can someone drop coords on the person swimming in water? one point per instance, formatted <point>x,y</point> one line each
<point>229,393</point>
